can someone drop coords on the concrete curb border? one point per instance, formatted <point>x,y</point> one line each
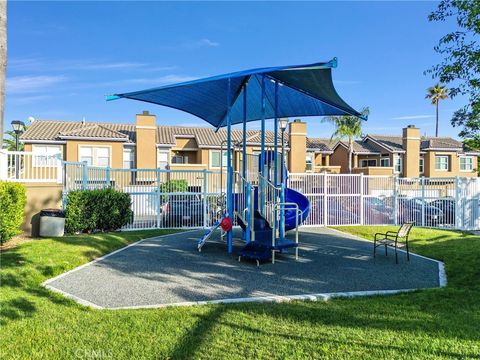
<point>261,299</point>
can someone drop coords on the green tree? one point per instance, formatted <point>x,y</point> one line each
<point>9,142</point>
<point>460,68</point>
<point>435,94</point>
<point>347,127</point>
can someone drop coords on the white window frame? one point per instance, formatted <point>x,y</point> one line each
<point>309,166</point>
<point>210,159</point>
<point>130,150</point>
<point>40,158</point>
<point>421,165</point>
<point>447,162</point>
<point>398,162</point>
<point>362,162</point>
<point>383,159</point>
<point>166,152</point>
<point>465,157</point>
<point>94,154</point>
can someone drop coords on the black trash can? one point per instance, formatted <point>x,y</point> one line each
<point>52,222</point>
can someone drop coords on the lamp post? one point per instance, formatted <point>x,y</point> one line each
<point>18,127</point>
<point>283,122</point>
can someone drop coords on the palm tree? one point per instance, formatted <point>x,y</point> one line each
<point>347,127</point>
<point>9,143</point>
<point>435,94</point>
<point>3,61</point>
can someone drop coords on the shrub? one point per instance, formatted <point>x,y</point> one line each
<point>103,209</point>
<point>174,186</point>
<point>12,209</point>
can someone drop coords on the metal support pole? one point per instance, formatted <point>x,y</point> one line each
<point>107,177</point>
<point>362,212</point>
<point>458,221</point>
<point>17,157</point>
<point>205,197</point>
<point>422,181</point>
<point>262,152</point>
<point>244,147</point>
<point>275,136</point>
<point>395,200</point>
<point>229,167</point>
<point>159,199</point>
<point>84,175</point>
<point>247,213</point>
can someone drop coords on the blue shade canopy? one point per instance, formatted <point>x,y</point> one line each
<point>304,90</point>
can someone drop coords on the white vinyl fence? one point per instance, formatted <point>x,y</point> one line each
<point>23,166</point>
<point>381,200</point>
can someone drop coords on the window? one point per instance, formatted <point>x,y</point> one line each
<point>46,155</point>
<point>466,163</point>
<point>309,162</point>
<point>385,162</point>
<point>421,165</point>
<point>398,164</point>
<point>215,158</point>
<point>441,162</point>
<point>94,156</point>
<point>179,159</point>
<point>128,158</point>
<point>368,162</point>
<point>162,159</point>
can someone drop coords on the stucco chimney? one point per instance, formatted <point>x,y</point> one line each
<point>297,141</point>
<point>146,150</point>
<point>411,145</point>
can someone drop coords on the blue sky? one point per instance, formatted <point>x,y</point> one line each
<point>64,57</point>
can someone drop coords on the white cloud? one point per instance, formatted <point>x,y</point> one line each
<point>28,84</point>
<point>412,117</point>
<point>201,43</point>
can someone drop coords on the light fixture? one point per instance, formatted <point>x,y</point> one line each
<point>283,122</point>
<point>18,126</point>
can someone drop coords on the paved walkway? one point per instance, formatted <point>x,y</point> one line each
<point>169,270</point>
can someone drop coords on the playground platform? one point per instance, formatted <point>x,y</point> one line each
<point>168,270</point>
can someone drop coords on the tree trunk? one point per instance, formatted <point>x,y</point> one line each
<point>436,124</point>
<point>350,153</point>
<point>3,63</point>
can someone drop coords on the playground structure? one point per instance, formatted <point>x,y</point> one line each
<point>263,206</point>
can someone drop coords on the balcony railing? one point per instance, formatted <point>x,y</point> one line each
<point>23,166</point>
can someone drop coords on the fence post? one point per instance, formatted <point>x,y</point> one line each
<point>107,176</point>
<point>204,198</point>
<point>395,199</point>
<point>3,166</point>
<point>325,206</point>
<point>159,198</point>
<point>422,182</point>
<point>458,222</point>
<point>361,199</point>
<point>84,175</point>
<point>60,169</point>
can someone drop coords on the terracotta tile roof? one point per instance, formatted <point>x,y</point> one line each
<point>395,143</point>
<point>166,135</point>
<point>93,131</point>
<point>441,143</point>
<point>321,144</point>
<point>360,146</point>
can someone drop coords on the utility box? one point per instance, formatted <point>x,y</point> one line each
<point>52,222</point>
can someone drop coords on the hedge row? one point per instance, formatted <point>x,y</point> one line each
<point>12,209</point>
<point>103,210</point>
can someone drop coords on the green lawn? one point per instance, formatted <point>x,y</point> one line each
<point>438,323</point>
